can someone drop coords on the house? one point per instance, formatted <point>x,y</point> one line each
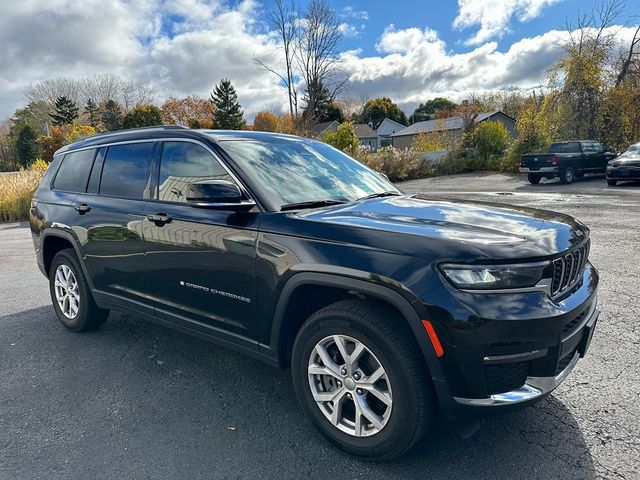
<point>377,133</point>
<point>405,137</point>
<point>367,135</point>
<point>318,129</point>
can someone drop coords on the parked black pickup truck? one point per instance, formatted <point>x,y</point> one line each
<point>566,160</point>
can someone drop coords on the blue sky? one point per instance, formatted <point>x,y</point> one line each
<point>408,50</point>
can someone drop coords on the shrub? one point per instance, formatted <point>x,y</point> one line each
<point>490,139</point>
<point>16,191</point>
<point>344,138</point>
<point>397,164</point>
<point>39,166</point>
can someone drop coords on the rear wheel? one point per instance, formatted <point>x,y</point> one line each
<point>534,178</point>
<point>612,183</point>
<point>360,377</point>
<point>71,296</point>
<point>567,175</point>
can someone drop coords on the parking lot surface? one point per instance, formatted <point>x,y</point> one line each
<point>138,401</point>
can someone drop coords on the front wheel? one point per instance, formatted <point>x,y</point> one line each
<point>567,175</point>
<point>360,378</point>
<point>71,295</point>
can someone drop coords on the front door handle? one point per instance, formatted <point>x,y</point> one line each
<point>159,218</point>
<point>82,208</point>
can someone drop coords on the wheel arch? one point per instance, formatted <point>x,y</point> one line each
<point>286,323</point>
<point>53,242</point>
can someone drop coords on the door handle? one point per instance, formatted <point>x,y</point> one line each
<point>159,218</point>
<point>82,208</point>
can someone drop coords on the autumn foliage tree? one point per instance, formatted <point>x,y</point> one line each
<point>193,112</point>
<point>266,122</point>
<point>144,115</point>
<point>61,135</point>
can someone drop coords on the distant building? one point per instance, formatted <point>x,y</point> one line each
<point>377,133</point>
<point>318,129</point>
<point>405,137</point>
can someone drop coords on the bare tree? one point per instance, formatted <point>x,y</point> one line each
<point>285,22</point>
<point>49,90</point>
<point>317,55</point>
<point>630,61</point>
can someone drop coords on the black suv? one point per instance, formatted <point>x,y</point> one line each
<point>388,308</point>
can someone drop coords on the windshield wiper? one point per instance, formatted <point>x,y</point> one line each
<point>390,193</point>
<point>311,204</point>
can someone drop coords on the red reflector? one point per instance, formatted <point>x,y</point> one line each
<point>554,160</point>
<point>435,341</point>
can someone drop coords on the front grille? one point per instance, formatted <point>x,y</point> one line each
<point>568,269</point>
<point>505,377</point>
<point>565,361</point>
<point>570,327</point>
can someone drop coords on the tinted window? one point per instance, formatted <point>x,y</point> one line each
<point>567,147</point>
<point>598,147</point>
<point>94,178</point>
<point>183,163</point>
<point>74,172</point>
<point>124,173</point>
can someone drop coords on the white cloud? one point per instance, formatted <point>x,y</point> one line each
<point>493,16</point>
<point>184,47</point>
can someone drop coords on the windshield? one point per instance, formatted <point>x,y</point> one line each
<point>632,151</point>
<point>568,147</point>
<point>295,170</point>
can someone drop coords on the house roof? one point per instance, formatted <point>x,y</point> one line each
<point>318,129</point>
<point>364,131</point>
<point>443,124</point>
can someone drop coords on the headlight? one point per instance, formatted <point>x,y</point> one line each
<point>493,277</point>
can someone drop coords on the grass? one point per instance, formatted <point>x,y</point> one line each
<point>16,190</point>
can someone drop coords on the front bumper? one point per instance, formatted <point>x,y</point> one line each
<point>539,170</point>
<point>537,387</point>
<point>623,173</point>
<point>503,351</point>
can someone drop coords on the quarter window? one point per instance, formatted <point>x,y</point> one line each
<point>124,173</point>
<point>73,174</point>
<point>183,163</point>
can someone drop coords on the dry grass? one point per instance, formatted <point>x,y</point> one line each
<point>16,190</point>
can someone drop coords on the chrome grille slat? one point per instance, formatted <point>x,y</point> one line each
<point>567,269</point>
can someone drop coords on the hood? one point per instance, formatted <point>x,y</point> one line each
<point>497,231</point>
<point>625,160</point>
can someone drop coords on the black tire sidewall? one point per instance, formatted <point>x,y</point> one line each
<point>67,258</point>
<point>534,179</point>
<point>566,177</point>
<point>392,436</point>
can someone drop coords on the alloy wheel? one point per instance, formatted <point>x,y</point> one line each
<point>350,386</point>
<point>66,290</point>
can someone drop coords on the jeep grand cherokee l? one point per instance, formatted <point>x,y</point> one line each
<point>389,308</point>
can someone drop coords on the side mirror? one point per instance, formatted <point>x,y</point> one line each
<point>217,194</point>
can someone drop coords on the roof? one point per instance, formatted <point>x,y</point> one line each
<point>364,131</point>
<point>319,128</point>
<point>442,124</point>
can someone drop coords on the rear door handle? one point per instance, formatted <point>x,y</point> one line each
<point>82,208</point>
<point>159,218</point>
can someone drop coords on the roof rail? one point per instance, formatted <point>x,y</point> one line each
<point>118,132</point>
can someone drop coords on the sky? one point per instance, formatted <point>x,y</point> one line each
<point>409,50</point>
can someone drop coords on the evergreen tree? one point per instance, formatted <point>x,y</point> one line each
<point>27,146</point>
<point>320,106</point>
<point>143,115</point>
<point>228,113</point>
<point>93,111</point>
<point>66,111</point>
<point>111,116</point>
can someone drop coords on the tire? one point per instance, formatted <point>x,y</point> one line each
<point>66,270</point>
<point>567,175</point>
<point>405,382</point>
<point>534,178</point>
<point>612,183</point>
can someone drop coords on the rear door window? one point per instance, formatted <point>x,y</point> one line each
<point>74,171</point>
<point>125,171</point>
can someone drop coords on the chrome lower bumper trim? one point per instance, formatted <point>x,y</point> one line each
<point>540,170</point>
<point>534,387</point>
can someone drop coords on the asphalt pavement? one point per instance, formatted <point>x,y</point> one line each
<point>138,401</point>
